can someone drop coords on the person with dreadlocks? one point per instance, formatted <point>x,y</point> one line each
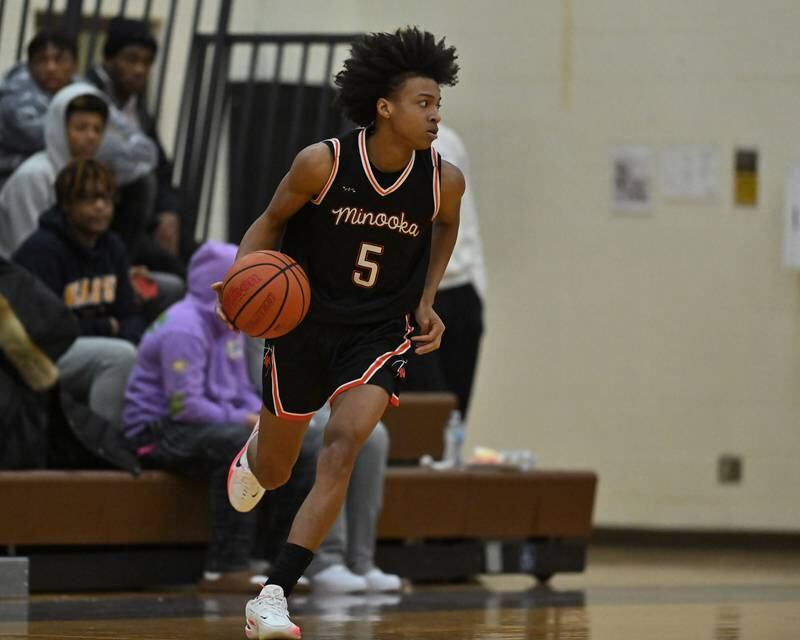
<point>84,263</point>
<point>372,217</point>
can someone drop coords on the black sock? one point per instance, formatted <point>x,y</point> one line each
<point>291,564</point>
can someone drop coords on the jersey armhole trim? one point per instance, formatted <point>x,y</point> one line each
<point>437,183</point>
<point>334,170</point>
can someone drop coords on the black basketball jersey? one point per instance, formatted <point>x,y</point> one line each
<point>365,240</point>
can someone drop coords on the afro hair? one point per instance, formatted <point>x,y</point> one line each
<point>380,62</point>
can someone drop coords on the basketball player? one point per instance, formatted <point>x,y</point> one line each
<point>372,217</point>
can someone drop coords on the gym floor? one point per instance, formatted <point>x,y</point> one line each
<point>652,594</point>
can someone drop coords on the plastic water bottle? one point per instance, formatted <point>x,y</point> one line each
<point>454,440</point>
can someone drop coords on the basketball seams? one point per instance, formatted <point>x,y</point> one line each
<point>293,271</point>
<point>283,303</point>
<point>257,291</point>
<point>282,265</point>
<point>303,289</point>
<point>247,268</point>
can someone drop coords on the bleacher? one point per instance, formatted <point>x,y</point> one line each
<point>109,529</point>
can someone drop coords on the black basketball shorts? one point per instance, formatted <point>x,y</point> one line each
<point>317,361</point>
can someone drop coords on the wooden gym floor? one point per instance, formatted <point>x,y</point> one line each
<point>654,594</point>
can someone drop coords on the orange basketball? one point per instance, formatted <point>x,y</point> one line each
<point>266,294</point>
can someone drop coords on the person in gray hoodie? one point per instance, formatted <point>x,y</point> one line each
<point>26,91</point>
<point>68,134</point>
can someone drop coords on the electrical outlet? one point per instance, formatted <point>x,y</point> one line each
<point>729,469</point>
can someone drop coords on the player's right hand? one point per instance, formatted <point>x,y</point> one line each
<point>217,287</point>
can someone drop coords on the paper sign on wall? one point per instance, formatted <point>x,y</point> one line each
<point>690,172</point>
<point>791,221</point>
<point>632,179</point>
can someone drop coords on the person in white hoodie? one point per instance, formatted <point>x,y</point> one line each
<point>459,298</point>
<point>68,134</point>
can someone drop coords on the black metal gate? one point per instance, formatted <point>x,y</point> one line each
<point>268,117</point>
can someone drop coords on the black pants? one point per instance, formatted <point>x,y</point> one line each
<point>206,451</point>
<point>452,367</point>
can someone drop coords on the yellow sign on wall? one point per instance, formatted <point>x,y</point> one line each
<point>746,178</point>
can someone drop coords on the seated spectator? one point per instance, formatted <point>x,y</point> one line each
<point>128,55</point>
<point>190,407</point>
<point>41,426</point>
<point>75,128</point>
<point>345,562</point>
<point>77,257</point>
<point>459,299</point>
<point>25,94</point>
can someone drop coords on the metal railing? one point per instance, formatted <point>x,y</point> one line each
<point>74,17</point>
<point>263,135</point>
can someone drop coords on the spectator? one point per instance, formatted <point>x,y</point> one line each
<point>42,427</point>
<point>74,128</point>
<point>190,407</point>
<point>128,56</point>
<point>77,257</point>
<point>459,299</point>
<point>25,94</point>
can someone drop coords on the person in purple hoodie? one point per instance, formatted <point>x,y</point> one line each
<point>190,407</point>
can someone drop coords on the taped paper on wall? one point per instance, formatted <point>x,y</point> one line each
<point>791,236</point>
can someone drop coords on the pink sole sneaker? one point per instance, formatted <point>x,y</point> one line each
<point>244,492</point>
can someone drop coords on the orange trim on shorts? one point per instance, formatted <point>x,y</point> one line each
<point>321,195</point>
<point>377,364</point>
<point>276,399</point>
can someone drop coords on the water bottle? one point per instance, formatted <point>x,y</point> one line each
<point>454,440</point>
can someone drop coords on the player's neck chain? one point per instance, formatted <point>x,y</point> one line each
<point>360,217</point>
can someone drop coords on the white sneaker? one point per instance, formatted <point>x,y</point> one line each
<point>268,616</point>
<point>377,580</point>
<point>244,492</point>
<point>338,579</point>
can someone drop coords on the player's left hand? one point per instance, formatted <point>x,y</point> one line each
<point>431,329</point>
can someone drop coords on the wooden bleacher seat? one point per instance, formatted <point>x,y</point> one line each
<point>434,525</point>
<point>113,507</point>
<point>127,532</point>
<point>417,426</point>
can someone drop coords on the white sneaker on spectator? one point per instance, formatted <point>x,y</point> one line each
<point>268,616</point>
<point>377,580</point>
<point>338,579</point>
<point>244,492</point>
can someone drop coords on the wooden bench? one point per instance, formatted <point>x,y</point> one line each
<point>416,427</point>
<point>444,520</point>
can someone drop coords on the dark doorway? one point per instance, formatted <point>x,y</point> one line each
<point>263,147</point>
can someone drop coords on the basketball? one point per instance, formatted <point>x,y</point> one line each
<point>266,294</point>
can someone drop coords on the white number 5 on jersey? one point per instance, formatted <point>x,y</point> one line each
<point>366,273</point>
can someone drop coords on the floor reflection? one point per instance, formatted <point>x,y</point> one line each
<point>623,597</point>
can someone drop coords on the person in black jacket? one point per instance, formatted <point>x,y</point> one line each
<point>77,257</point>
<point>40,426</point>
<point>128,55</point>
